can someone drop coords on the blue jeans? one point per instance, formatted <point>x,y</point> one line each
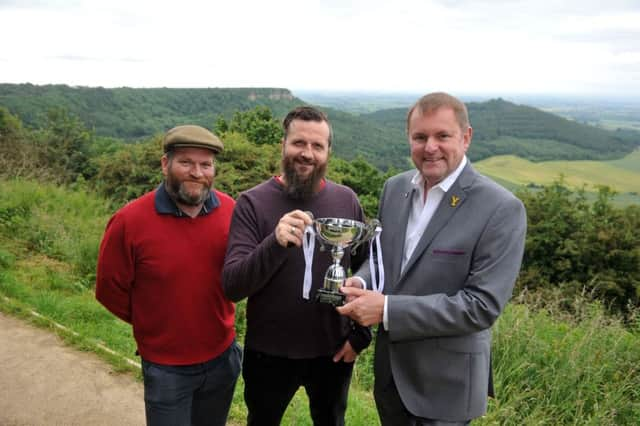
<point>197,394</point>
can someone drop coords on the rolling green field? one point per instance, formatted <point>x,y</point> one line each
<point>621,175</point>
<point>618,124</point>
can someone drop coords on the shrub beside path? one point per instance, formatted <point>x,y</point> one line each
<point>44,382</point>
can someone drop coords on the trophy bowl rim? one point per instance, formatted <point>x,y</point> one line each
<point>345,224</point>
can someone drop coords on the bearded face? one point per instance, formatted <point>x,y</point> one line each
<point>305,154</point>
<point>189,175</point>
<point>190,193</point>
<point>302,186</point>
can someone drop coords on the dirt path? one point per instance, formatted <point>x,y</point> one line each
<point>44,382</point>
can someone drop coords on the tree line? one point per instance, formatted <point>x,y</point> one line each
<point>500,127</point>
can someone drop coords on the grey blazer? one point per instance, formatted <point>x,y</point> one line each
<point>454,286</point>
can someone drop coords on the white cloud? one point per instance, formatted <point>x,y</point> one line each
<point>499,46</point>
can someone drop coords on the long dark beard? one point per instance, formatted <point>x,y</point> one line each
<point>299,188</point>
<point>179,194</point>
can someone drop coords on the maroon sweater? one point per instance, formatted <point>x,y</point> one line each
<point>160,270</point>
<point>279,321</point>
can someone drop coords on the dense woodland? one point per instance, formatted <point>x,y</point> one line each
<point>500,127</point>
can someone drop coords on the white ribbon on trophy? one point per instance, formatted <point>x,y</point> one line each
<point>308,245</point>
<point>376,242</point>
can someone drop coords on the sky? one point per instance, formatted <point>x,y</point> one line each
<point>497,47</point>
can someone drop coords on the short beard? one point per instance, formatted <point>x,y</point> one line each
<point>180,195</point>
<point>298,188</point>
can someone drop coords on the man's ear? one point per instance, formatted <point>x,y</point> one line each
<point>164,162</point>
<point>467,138</point>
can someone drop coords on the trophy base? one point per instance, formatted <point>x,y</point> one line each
<point>330,297</point>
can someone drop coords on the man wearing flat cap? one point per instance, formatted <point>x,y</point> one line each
<point>159,269</point>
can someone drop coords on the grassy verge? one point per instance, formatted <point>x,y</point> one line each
<point>550,368</point>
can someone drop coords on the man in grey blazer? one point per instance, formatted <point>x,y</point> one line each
<point>452,244</point>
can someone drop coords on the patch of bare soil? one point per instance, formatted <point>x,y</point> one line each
<point>44,382</point>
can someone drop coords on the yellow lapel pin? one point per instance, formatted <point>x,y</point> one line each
<point>454,200</point>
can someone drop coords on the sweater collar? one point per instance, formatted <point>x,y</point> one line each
<point>165,205</point>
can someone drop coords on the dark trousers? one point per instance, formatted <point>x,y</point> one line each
<point>186,395</point>
<point>392,411</point>
<point>270,382</point>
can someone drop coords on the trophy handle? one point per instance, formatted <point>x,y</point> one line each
<point>367,234</point>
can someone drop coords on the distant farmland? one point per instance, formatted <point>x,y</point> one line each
<point>621,175</point>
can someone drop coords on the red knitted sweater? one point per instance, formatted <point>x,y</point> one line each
<point>162,272</point>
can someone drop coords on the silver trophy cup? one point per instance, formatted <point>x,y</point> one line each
<point>339,234</point>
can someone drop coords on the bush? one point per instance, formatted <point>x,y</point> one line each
<point>579,247</point>
<point>61,224</point>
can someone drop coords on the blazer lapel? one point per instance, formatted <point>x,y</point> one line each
<point>404,207</point>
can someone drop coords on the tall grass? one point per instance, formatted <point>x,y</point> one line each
<point>554,368</point>
<point>61,224</point>
<point>550,367</point>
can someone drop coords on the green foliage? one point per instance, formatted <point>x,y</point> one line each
<point>65,145</point>
<point>130,171</point>
<point>377,143</point>
<point>10,126</point>
<point>243,164</point>
<point>578,246</point>
<point>19,155</point>
<point>59,152</point>
<point>7,259</point>
<point>363,178</point>
<point>257,124</point>
<point>55,222</point>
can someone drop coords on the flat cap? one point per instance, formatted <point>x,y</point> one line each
<point>191,136</point>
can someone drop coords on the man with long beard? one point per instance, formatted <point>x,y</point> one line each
<point>290,340</point>
<point>159,269</point>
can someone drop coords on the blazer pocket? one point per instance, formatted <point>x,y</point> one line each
<point>471,343</point>
<point>449,255</point>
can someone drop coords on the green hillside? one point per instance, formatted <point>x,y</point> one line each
<point>621,175</point>
<point>134,113</point>
<point>129,113</point>
<point>504,128</point>
<point>378,144</point>
<point>500,127</point>
<point>630,162</point>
